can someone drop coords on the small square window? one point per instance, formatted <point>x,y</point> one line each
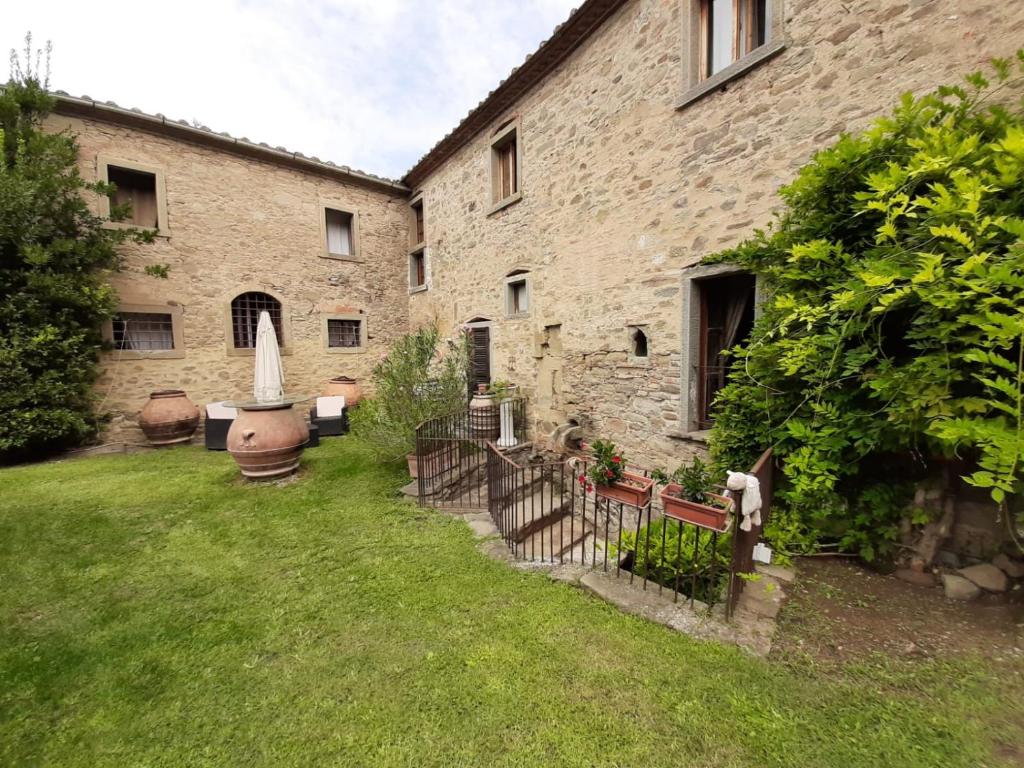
<point>518,297</point>
<point>339,232</point>
<point>418,269</point>
<point>143,331</point>
<point>136,190</point>
<point>344,334</point>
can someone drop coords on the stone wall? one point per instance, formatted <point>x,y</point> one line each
<point>622,191</point>
<point>239,224</point>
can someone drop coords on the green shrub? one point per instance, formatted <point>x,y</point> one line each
<point>412,384</point>
<point>684,554</point>
<point>54,255</point>
<point>894,318</point>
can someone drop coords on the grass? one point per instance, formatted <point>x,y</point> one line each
<point>154,611</point>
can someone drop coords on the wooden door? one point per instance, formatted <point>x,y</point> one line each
<point>479,356</point>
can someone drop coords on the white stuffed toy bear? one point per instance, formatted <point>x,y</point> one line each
<point>751,487</point>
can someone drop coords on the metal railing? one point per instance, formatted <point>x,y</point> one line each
<point>451,453</point>
<point>545,516</point>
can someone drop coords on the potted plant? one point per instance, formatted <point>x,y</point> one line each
<point>687,496</point>
<point>607,475</point>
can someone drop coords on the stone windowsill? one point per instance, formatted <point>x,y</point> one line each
<point>695,436</point>
<point>735,70</point>
<point>417,289</point>
<point>503,204</point>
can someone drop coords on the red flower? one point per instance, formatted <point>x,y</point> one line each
<point>583,478</point>
<point>589,488</point>
<point>616,460</point>
<point>609,473</point>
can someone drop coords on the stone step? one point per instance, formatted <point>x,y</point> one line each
<point>560,541</point>
<point>546,506</point>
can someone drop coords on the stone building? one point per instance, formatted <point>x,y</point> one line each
<point>242,227</point>
<point>646,135</point>
<point>561,222</point>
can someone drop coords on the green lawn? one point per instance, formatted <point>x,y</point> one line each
<point>154,611</point>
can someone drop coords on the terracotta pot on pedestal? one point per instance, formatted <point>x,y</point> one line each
<point>484,417</point>
<point>267,442</point>
<point>346,387</point>
<point>169,417</point>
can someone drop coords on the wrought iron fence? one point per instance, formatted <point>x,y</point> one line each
<point>544,515</point>
<point>451,453</point>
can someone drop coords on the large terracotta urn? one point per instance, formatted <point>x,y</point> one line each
<point>169,417</point>
<point>346,387</point>
<point>484,419</point>
<point>267,440</point>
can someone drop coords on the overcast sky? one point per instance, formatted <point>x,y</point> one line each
<point>368,83</point>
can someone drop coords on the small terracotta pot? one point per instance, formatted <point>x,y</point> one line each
<point>346,387</point>
<point>169,417</point>
<point>637,495</point>
<point>701,515</point>
<point>267,442</point>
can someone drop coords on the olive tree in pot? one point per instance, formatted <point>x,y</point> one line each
<point>421,378</point>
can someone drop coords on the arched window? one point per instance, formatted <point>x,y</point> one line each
<point>245,316</point>
<point>639,339</point>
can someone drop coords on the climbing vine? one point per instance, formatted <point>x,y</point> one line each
<point>894,320</point>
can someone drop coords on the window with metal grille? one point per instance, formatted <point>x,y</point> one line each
<point>245,317</point>
<point>344,333</point>
<point>140,331</point>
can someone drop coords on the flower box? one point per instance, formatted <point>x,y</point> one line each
<point>631,489</point>
<point>714,518</point>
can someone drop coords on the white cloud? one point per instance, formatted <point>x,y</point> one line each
<point>367,83</point>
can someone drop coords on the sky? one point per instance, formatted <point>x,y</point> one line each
<point>372,84</point>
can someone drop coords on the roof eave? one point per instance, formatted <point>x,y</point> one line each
<point>85,107</point>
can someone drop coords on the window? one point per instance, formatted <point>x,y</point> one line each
<point>726,39</point>
<point>339,233</point>
<point>138,331</point>
<point>517,297</point>
<point>418,269</point>
<point>638,343</point>
<point>245,317</point>
<point>139,190</point>
<point>418,233</point>
<point>726,319</point>
<point>141,331</point>
<point>344,333</point>
<point>506,166</point>
<point>730,29</point>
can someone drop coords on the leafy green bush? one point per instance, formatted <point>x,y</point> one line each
<point>412,384</point>
<point>53,296</point>
<point>683,554</point>
<point>894,318</point>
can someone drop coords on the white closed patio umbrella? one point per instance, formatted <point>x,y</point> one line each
<point>268,381</point>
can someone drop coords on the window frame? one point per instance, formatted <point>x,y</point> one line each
<point>284,343</point>
<point>177,332</point>
<point>693,341</point>
<point>103,164</point>
<point>325,333</point>
<point>356,255</point>
<point>516,277</point>
<point>416,204</point>
<point>419,253</point>
<point>508,132</point>
<point>695,84</point>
